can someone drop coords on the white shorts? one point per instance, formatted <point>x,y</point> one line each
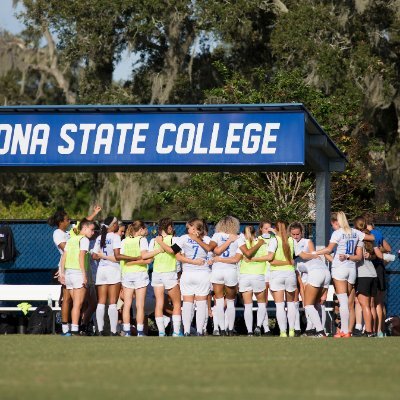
<point>267,276</point>
<point>135,280</point>
<point>166,279</point>
<point>195,283</point>
<point>344,273</point>
<point>227,276</point>
<point>73,279</point>
<point>108,275</point>
<point>251,283</point>
<point>283,280</point>
<point>327,281</point>
<point>304,276</point>
<point>316,277</point>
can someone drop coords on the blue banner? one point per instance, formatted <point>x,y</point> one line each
<point>154,139</point>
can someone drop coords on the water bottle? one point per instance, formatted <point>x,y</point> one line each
<point>49,301</point>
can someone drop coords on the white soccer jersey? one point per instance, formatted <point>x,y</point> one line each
<point>346,244</point>
<point>220,238</point>
<point>191,249</point>
<point>304,266</point>
<point>60,236</point>
<point>112,240</point>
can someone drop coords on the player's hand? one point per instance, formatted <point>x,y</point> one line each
<point>97,208</point>
<point>210,261</point>
<point>198,261</point>
<point>342,257</point>
<point>61,278</point>
<point>159,239</point>
<point>233,237</point>
<point>57,274</point>
<point>84,280</point>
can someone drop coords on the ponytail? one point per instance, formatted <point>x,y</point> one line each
<point>134,227</point>
<point>282,232</point>
<point>104,228</point>
<point>343,223</point>
<point>249,233</point>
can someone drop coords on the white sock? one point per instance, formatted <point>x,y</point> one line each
<point>297,321</point>
<point>266,322</point>
<point>126,327</point>
<point>140,327</point>
<point>230,313</point>
<point>100,316</point>
<point>281,316</point>
<point>314,316</point>
<point>113,315</point>
<point>309,324</point>
<point>262,309</point>
<point>344,312</point>
<point>248,317</point>
<point>74,328</point>
<point>167,320</point>
<point>291,314</point>
<point>160,324</point>
<point>226,320</point>
<point>177,322</point>
<point>187,308</point>
<point>322,314</point>
<point>65,328</point>
<point>219,310</point>
<point>201,313</point>
<point>359,327</point>
<point>215,318</point>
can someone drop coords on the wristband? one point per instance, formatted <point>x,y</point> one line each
<point>314,253</point>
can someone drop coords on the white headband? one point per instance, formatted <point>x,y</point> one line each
<point>112,222</point>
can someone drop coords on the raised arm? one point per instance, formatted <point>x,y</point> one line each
<point>96,210</point>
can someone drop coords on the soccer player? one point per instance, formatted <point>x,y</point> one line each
<point>347,242</point>
<point>224,276</point>
<point>73,270</point>
<point>108,277</point>
<point>195,279</point>
<point>315,269</point>
<point>283,281</point>
<point>252,252</point>
<point>164,277</point>
<point>367,281</point>
<point>135,277</point>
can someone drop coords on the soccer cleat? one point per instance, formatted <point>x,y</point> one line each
<point>179,334</point>
<point>320,334</point>
<point>291,333</point>
<point>223,333</point>
<point>140,334</point>
<point>114,334</point>
<point>75,333</point>
<point>186,334</point>
<point>297,333</point>
<point>161,334</point>
<point>68,334</point>
<point>268,333</point>
<point>346,335</point>
<point>257,331</point>
<point>250,334</point>
<point>216,333</point>
<point>309,332</point>
<point>283,334</point>
<point>338,335</point>
<point>380,335</point>
<point>127,333</point>
<point>357,333</point>
<point>199,334</point>
<point>231,333</point>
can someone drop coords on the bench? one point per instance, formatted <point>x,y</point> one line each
<point>30,293</point>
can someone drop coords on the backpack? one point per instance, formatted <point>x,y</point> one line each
<point>7,246</point>
<point>393,326</point>
<point>41,321</point>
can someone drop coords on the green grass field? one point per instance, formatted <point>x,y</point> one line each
<point>54,367</point>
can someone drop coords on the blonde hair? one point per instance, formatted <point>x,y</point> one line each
<point>228,224</point>
<point>134,228</point>
<point>281,231</point>
<point>250,234</point>
<point>342,221</point>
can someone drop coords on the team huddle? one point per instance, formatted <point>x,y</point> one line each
<point>193,271</point>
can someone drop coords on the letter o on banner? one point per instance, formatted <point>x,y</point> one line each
<point>185,131</point>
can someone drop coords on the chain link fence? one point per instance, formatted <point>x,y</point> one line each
<point>38,257</point>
